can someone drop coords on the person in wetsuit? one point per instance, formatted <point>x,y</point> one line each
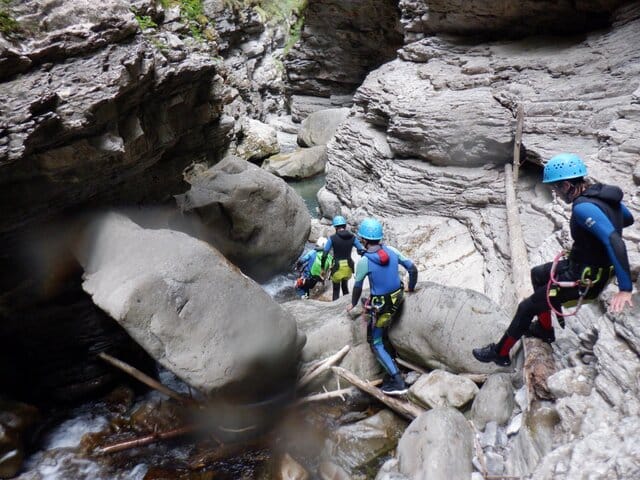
<point>597,219</point>
<point>380,265</point>
<point>342,242</point>
<point>312,271</point>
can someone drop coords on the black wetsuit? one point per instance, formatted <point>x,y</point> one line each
<point>597,219</point>
<point>342,242</point>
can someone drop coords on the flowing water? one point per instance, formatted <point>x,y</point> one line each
<point>59,454</point>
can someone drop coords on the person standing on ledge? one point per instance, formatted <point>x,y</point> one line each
<point>380,264</point>
<point>342,242</point>
<point>597,219</point>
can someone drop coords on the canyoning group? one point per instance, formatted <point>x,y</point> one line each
<point>598,254</point>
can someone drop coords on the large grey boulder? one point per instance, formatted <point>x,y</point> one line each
<point>301,163</point>
<point>191,309</point>
<point>258,140</point>
<point>437,445</point>
<point>251,216</point>
<point>359,444</point>
<point>319,127</point>
<point>442,389</point>
<point>494,402</point>
<point>439,326</point>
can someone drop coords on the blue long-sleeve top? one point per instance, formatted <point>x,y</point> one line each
<point>591,218</point>
<point>380,265</point>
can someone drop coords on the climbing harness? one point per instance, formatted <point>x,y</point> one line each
<point>584,284</point>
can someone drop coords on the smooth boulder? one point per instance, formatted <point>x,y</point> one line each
<point>191,309</point>
<point>439,326</point>
<point>438,445</point>
<point>252,217</point>
<point>301,163</point>
<point>320,127</point>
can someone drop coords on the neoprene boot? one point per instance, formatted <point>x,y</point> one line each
<point>537,330</point>
<point>498,354</point>
<point>543,328</point>
<point>394,385</point>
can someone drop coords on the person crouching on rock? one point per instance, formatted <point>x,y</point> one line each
<point>597,219</point>
<point>310,264</point>
<point>342,242</point>
<point>380,264</point>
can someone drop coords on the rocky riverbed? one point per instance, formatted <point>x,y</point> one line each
<point>144,148</point>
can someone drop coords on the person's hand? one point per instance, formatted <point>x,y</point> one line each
<point>349,308</point>
<point>620,300</point>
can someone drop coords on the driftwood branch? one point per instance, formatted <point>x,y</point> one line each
<point>479,451</point>
<point>410,365</point>
<point>146,440</point>
<point>324,366</point>
<point>517,142</point>
<point>144,378</point>
<point>334,393</point>
<point>404,408</point>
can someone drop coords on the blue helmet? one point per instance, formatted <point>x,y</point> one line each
<point>339,221</point>
<point>370,229</point>
<point>563,166</point>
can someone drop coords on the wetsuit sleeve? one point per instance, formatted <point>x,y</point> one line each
<point>325,252</point>
<point>594,220</point>
<point>359,247</point>
<point>409,266</point>
<point>627,217</point>
<point>362,270</point>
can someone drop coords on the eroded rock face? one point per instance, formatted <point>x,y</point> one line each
<point>191,309</point>
<point>429,132</point>
<point>596,426</point>
<point>253,217</point>
<point>52,31</point>
<point>341,41</point>
<point>488,17</point>
<point>117,124</point>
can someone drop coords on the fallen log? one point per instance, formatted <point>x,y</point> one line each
<point>324,366</point>
<point>537,368</point>
<point>146,440</point>
<point>144,378</point>
<point>404,408</point>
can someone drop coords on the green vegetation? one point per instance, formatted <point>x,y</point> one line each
<point>9,26</point>
<point>294,34</point>
<point>288,12</point>
<point>192,12</point>
<point>145,22</point>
